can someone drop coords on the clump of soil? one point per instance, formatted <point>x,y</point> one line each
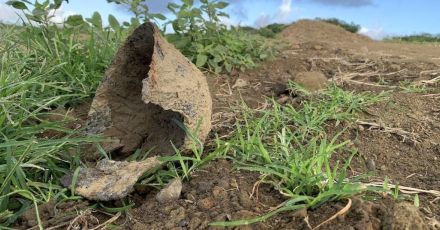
<point>219,193</point>
<point>311,81</point>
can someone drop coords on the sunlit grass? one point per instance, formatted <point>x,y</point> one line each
<point>292,151</point>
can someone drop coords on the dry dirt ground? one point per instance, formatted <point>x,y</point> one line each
<point>405,147</point>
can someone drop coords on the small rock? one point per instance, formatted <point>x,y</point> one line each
<point>171,192</point>
<point>240,83</point>
<point>383,168</point>
<point>302,213</point>
<point>361,128</point>
<point>371,165</point>
<point>183,223</point>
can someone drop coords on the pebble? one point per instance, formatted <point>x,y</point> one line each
<point>240,83</point>
<point>183,223</point>
<point>383,168</point>
<point>371,165</point>
<point>171,192</point>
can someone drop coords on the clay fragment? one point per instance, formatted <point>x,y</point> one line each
<point>112,180</point>
<point>147,91</point>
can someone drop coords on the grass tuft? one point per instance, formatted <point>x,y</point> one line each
<point>289,147</point>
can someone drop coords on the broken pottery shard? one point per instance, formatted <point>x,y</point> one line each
<point>112,180</point>
<point>149,89</point>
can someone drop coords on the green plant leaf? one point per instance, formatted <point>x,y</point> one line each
<point>74,20</point>
<point>158,16</point>
<point>114,22</point>
<point>188,2</point>
<point>201,60</point>
<point>228,67</point>
<point>96,20</point>
<point>17,5</point>
<point>221,5</point>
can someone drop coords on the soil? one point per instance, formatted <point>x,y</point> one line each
<point>218,192</point>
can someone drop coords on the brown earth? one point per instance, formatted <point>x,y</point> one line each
<point>408,153</point>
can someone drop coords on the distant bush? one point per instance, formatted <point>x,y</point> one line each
<point>350,27</point>
<point>418,38</point>
<point>268,31</point>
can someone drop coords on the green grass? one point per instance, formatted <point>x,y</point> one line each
<point>292,151</point>
<point>416,38</point>
<point>42,69</point>
<point>46,67</point>
<point>408,87</point>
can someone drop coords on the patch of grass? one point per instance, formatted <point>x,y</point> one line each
<point>292,151</point>
<point>270,31</point>
<point>416,38</point>
<point>408,87</point>
<point>43,67</point>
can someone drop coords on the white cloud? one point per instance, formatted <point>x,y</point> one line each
<point>12,16</point>
<point>228,21</point>
<point>263,20</point>
<point>377,33</point>
<point>60,15</point>
<point>283,14</point>
<point>284,11</point>
<point>8,14</point>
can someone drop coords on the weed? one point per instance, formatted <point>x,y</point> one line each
<point>289,147</point>
<point>43,67</point>
<point>408,87</point>
<point>200,36</point>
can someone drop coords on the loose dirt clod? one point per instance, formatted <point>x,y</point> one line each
<point>312,81</point>
<point>112,180</point>
<point>147,91</point>
<point>407,216</point>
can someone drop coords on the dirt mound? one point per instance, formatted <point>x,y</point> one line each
<point>316,31</point>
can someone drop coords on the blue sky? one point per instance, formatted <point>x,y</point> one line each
<point>377,18</point>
